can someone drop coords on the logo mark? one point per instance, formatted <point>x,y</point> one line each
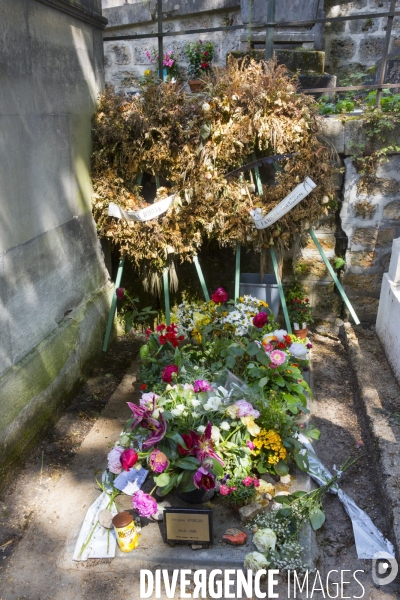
<point>384,568</point>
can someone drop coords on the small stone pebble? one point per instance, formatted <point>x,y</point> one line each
<point>235,537</point>
<point>248,512</point>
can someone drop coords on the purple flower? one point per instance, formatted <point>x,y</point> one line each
<point>203,479</point>
<point>200,385</point>
<point>120,293</point>
<point>158,461</point>
<point>242,408</point>
<point>250,445</point>
<point>114,460</point>
<point>144,504</point>
<point>309,346</point>
<point>143,416</point>
<point>159,430</point>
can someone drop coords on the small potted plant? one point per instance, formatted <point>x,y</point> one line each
<point>299,309</point>
<point>239,492</point>
<point>200,55</point>
<point>171,69</point>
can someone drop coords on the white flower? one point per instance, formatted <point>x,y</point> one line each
<point>178,410</point>
<point>201,429</point>
<point>225,426</point>
<point>195,368</point>
<point>206,107</point>
<point>280,334</point>
<point>232,411</point>
<point>195,403</point>
<point>213,403</point>
<point>215,434</point>
<point>255,561</point>
<point>195,414</point>
<point>114,460</point>
<point>298,350</point>
<point>264,540</point>
<point>183,370</point>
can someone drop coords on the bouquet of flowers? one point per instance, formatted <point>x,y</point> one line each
<point>200,56</point>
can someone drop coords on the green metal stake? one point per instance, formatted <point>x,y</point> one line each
<point>237,270</point>
<point>334,277</point>
<point>257,177</point>
<point>281,294</point>
<point>113,304</point>
<point>201,277</point>
<point>166,296</point>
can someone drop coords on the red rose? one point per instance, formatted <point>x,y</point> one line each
<point>219,296</point>
<point>143,386</point>
<point>120,292</point>
<point>128,458</point>
<point>260,319</point>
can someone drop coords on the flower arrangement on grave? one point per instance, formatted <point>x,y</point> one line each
<point>194,143</point>
<point>200,55</point>
<point>298,305</point>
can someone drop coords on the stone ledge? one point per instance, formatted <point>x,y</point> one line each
<point>46,378</point>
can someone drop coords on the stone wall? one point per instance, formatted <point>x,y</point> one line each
<point>353,46</point>
<point>53,284</point>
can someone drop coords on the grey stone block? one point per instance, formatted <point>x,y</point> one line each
<point>332,129</point>
<point>286,10</point>
<point>371,48</point>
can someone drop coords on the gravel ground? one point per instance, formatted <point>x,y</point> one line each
<point>56,485</point>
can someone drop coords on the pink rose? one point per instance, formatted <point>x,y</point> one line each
<point>219,296</point>
<point>224,490</point>
<point>128,458</point>
<point>167,373</point>
<point>260,319</point>
<point>144,504</point>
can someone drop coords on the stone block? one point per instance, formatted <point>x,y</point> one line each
<point>392,210</point>
<point>333,130</point>
<point>364,26</point>
<point>122,54</point>
<point>394,267</point>
<point>371,49</point>
<point>376,186</point>
<point>362,259</point>
<point>371,236</point>
<point>342,49</point>
<point>286,10</point>
<point>367,283</point>
<point>354,135</point>
<point>302,60</point>
<point>364,209</point>
<point>248,512</point>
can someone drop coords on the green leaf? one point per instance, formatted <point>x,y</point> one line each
<point>178,358</point>
<point>162,479</point>
<point>217,468</point>
<point>280,381</point>
<point>262,358</point>
<point>312,433</point>
<point>252,349</point>
<point>144,352</point>
<point>187,484</point>
<point>260,467</point>
<point>282,500</point>
<point>168,446</point>
<point>174,435</point>
<point>317,518</point>
<point>172,482</point>
<point>263,382</point>
<point>301,461</point>
<point>281,468</point>
<point>188,463</point>
<point>230,361</point>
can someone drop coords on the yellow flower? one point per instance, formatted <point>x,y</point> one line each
<point>147,72</point>
<point>252,427</point>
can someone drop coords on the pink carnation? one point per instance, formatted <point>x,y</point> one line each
<point>114,460</point>
<point>268,347</point>
<point>167,373</point>
<point>219,296</point>
<point>256,482</point>
<point>200,385</point>
<point>247,481</point>
<point>144,504</point>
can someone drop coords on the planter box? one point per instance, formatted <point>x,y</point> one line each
<point>286,10</point>
<point>266,290</point>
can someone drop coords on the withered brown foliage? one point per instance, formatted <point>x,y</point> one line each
<point>193,141</point>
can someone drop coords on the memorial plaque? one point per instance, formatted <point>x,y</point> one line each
<point>188,526</point>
